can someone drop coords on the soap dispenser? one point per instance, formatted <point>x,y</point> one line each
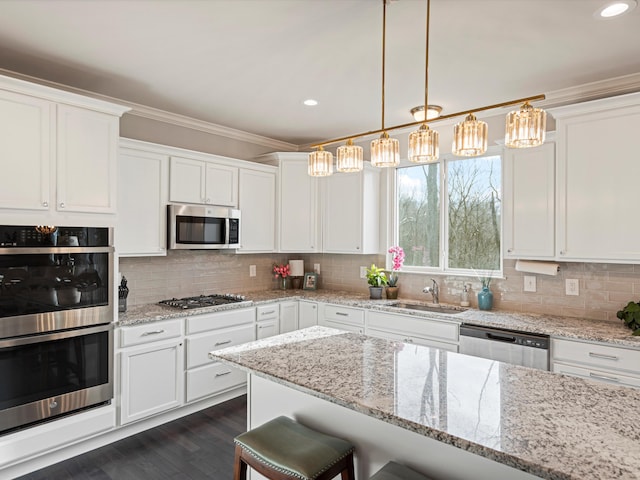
<point>464,296</point>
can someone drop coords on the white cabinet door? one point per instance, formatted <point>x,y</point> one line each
<point>257,204</point>
<point>187,182</point>
<point>86,160</point>
<point>529,202</point>
<point>221,185</point>
<point>351,212</point>
<point>152,380</point>
<point>267,328</point>
<point>142,203</point>
<point>298,208</point>
<point>288,316</point>
<point>307,314</point>
<point>25,151</point>
<point>597,180</point>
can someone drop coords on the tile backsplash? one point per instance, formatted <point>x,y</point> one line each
<point>604,288</point>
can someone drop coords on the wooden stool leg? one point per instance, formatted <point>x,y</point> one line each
<point>239,467</point>
<point>348,473</point>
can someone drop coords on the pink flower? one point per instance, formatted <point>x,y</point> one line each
<point>397,258</point>
<point>281,270</point>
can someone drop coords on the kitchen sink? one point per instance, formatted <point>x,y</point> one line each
<point>450,309</point>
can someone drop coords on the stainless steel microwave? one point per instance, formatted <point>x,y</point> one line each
<point>196,227</point>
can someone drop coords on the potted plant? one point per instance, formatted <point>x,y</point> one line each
<point>397,260</point>
<point>376,279</point>
<point>630,315</point>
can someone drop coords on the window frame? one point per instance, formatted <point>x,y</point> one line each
<point>443,258</point>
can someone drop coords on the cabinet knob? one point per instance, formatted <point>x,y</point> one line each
<point>357,248</point>
<point>62,205</point>
<point>208,200</point>
<point>509,250</point>
<point>45,204</point>
<point>561,252</point>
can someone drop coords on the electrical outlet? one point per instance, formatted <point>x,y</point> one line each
<point>363,272</point>
<point>252,270</point>
<point>572,286</point>
<point>316,268</point>
<point>529,283</point>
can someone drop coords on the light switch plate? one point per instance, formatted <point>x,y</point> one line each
<point>252,270</point>
<point>529,283</point>
<point>316,268</point>
<point>363,272</point>
<point>572,286</point>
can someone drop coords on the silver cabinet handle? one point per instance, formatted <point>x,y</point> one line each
<point>268,313</point>
<point>264,326</point>
<point>62,205</point>
<point>342,314</point>
<point>152,332</point>
<point>222,374</point>
<point>604,356</point>
<point>604,377</point>
<point>45,204</point>
<point>222,343</point>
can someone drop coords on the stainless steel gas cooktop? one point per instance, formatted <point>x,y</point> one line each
<point>202,301</point>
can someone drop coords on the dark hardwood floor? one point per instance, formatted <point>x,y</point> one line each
<point>199,446</point>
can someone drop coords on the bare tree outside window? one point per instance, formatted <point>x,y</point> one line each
<point>472,217</point>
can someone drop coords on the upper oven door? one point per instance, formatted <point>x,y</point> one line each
<point>44,289</point>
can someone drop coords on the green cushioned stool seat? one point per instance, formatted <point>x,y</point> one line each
<point>395,471</point>
<point>283,449</point>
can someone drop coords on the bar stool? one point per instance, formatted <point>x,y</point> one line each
<point>282,449</point>
<point>395,471</point>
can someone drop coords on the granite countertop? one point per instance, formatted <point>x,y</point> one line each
<point>552,426</point>
<point>557,326</point>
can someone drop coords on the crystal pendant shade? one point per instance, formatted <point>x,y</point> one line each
<point>470,137</point>
<point>320,163</point>
<point>525,127</point>
<point>349,158</point>
<point>385,151</point>
<point>424,145</point>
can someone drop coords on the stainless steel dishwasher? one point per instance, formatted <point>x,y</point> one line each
<point>509,346</point>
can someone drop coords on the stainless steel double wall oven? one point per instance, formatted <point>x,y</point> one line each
<point>56,314</point>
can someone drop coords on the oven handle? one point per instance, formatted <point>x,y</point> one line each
<point>53,250</point>
<point>76,332</point>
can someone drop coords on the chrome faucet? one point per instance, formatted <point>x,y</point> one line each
<point>434,291</point>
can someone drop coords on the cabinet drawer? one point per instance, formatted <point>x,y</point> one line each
<point>593,374</point>
<point>268,312</point>
<point>412,339</point>
<point>212,321</point>
<point>199,346</point>
<point>343,326</point>
<point>412,325</point>
<point>212,379</point>
<point>596,355</point>
<point>150,332</point>
<point>344,314</point>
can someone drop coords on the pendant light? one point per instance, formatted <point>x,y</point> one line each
<point>470,137</point>
<point>349,157</point>
<point>424,142</point>
<point>320,163</point>
<point>385,151</point>
<point>525,127</point>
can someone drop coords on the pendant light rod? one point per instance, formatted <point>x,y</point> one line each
<point>384,37</point>
<point>426,62</point>
<point>443,117</point>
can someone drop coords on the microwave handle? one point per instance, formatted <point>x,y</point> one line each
<point>227,224</point>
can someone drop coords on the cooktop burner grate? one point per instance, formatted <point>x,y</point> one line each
<point>202,301</point>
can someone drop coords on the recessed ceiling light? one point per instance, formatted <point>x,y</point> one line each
<point>614,9</point>
<point>310,102</point>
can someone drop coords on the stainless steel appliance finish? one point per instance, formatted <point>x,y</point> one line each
<point>518,348</point>
<point>202,301</point>
<point>197,227</point>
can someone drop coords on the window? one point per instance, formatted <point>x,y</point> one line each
<point>457,204</point>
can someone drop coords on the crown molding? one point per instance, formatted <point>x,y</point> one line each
<point>161,115</point>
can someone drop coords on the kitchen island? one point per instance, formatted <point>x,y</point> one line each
<point>447,415</point>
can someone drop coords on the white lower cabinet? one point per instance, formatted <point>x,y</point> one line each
<point>412,329</point>
<point>605,363</point>
<point>206,377</point>
<point>343,318</point>
<point>307,314</point>
<point>288,316</point>
<point>151,371</point>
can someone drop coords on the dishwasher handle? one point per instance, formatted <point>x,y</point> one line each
<point>500,338</point>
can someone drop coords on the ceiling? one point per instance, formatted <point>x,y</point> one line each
<point>249,64</point>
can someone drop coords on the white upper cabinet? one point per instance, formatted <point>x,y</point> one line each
<point>298,219</point>
<point>597,180</point>
<point>529,202</point>
<point>143,185</point>
<point>203,182</point>
<point>257,203</point>
<point>58,156</point>
<point>351,212</point>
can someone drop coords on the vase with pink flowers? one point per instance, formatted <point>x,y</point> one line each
<point>397,260</point>
<point>282,273</point>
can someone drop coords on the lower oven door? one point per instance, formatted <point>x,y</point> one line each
<point>43,376</point>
